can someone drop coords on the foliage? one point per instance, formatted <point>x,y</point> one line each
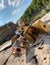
<point>35,8</point>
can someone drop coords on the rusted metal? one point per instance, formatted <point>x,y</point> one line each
<point>41,27</point>
<point>31,34</point>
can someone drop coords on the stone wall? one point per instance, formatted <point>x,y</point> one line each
<point>7,31</point>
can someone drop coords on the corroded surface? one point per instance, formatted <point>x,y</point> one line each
<point>38,54</point>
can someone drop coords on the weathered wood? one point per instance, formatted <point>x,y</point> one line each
<point>7,44</point>
<point>4,55</point>
<point>41,51</point>
<point>18,60</point>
